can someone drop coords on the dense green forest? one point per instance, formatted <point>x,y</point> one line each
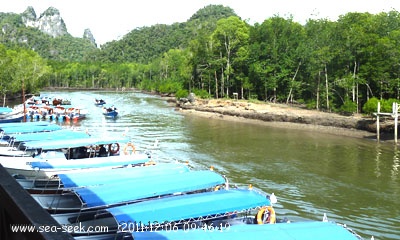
<point>328,65</point>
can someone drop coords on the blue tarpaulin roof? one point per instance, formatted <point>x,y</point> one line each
<point>90,162</point>
<point>5,110</point>
<point>30,128</point>
<point>283,231</point>
<point>178,208</point>
<point>18,124</point>
<point>130,191</point>
<point>54,135</point>
<point>120,174</point>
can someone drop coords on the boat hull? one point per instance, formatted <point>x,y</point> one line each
<point>112,114</point>
<point>13,118</point>
<point>28,167</point>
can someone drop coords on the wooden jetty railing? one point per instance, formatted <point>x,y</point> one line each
<point>394,114</point>
<point>18,209</point>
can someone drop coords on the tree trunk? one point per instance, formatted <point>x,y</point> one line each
<point>291,87</point>
<point>357,96</point>
<point>222,83</point>
<point>228,63</point>
<point>319,81</point>
<point>354,80</point>
<point>327,88</point>
<point>216,84</point>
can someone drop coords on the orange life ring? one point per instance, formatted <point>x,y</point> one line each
<point>113,148</point>
<point>271,219</point>
<point>129,144</point>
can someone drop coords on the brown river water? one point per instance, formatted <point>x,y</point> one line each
<point>353,181</point>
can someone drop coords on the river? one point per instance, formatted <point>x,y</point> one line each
<point>353,181</point>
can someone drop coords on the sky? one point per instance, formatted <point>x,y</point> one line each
<point>111,19</point>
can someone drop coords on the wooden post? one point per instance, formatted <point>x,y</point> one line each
<point>377,122</point>
<point>235,96</point>
<point>23,100</point>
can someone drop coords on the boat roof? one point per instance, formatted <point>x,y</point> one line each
<point>190,206</point>
<point>30,128</point>
<point>283,231</point>
<point>84,163</point>
<point>18,124</point>
<point>5,110</point>
<point>120,174</point>
<point>130,191</point>
<point>54,135</point>
<point>73,143</point>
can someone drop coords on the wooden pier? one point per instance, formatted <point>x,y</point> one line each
<point>18,208</point>
<point>394,114</point>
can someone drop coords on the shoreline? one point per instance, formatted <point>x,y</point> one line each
<point>287,125</point>
<point>283,116</point>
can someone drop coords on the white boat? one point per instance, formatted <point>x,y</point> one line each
<point>85,178</point>
<point>22,168</point>
<point>75,113</point>
<point>10,115</point>
<point>14,143</point>
<point>52,157</point>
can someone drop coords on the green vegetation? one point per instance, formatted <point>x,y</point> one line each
<point>340,66</point>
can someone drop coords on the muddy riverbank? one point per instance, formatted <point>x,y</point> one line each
<point>280,115</point>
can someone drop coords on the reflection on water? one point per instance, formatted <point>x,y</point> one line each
<point>353,181</point>
<point>396,163</point>
<point>378,155</point>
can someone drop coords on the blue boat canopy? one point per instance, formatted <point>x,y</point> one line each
<point>55,135</point>
<point>4,110</point>
<point>88,163</point>
<point>191,206</point>
<point>30,128</point>
<point>130,191</point>
<point>283,231</point>
<point>19,124</point>
<point>38,123</point>
<point>120,175</point>
<point>73,143</point>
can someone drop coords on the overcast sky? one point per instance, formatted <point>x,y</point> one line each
<point>111,19</point>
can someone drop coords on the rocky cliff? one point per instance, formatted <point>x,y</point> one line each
<point>87,34</point>
<point>49,22</point>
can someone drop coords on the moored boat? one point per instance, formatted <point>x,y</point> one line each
<point>5,110</point>
<point>50,168</point>
<point>130,191</point>
<point>54,156</point>
<point>10,115</point>
<point>75,179</point>
<point>7,129</point>
<point>304,230</point>
<point>28,128</point>
<point>75,113</point>
<point>177,212</point>
<point>11,118</point>
<point>15,141</point>
<point>45,136</point>
<point>60,101</point>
